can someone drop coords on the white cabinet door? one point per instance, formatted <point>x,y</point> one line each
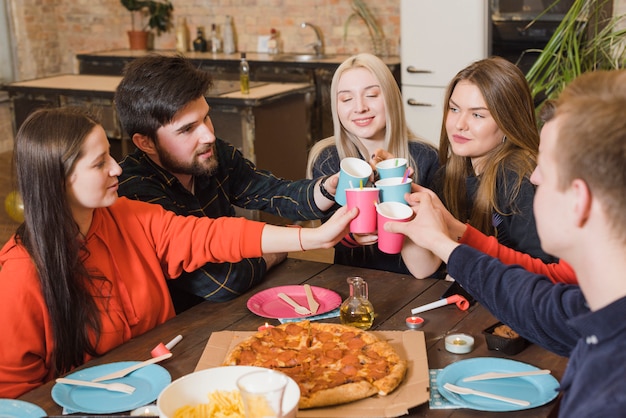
<point>440,37</point>
<point>423,108</point>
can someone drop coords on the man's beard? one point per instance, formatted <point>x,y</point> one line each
<point>196,167</point>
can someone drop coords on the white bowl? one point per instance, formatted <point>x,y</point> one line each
<point>194,388</point>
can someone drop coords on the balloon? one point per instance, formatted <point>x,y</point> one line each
<point>14,206</point>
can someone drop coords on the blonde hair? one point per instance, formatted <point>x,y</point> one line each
<point>397,133</point>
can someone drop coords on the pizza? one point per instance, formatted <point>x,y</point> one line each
<point>331,363</point>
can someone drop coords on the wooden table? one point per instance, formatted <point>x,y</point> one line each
<point>393,295</point>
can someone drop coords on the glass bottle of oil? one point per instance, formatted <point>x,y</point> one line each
<point>244,74</point>
<point>357,310</point>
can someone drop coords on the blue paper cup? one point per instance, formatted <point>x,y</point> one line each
<point>393,189</point>
<point>354,173</point>
<point>393,167</point>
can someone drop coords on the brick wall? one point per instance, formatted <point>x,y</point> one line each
<point>50,33</point>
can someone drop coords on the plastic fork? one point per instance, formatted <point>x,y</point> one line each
<point>300,310</point>
<point>113,387</point>
<point>468,391</point>
<point>130,369</point>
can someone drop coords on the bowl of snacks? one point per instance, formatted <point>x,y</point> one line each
<point>501,337</point>
<point>214,392</point>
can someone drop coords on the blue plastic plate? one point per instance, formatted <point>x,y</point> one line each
<point>12,408</point>
<point>538,390</point>
<point>148,381</point>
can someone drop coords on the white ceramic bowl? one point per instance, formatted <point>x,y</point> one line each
<point>194,388</point>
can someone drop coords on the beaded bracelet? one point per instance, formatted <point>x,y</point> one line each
<point>323,190</point>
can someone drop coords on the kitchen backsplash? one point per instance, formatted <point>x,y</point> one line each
<point>49,33</point>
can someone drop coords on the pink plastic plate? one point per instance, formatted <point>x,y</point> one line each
<point>268,305</point>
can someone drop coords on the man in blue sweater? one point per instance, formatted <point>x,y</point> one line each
<point>580,207</point>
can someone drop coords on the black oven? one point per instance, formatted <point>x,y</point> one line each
<point>513,31</point>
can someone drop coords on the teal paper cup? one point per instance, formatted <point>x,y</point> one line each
<point>354,173</point>
<point>393,167</point>
<point>393,189</point>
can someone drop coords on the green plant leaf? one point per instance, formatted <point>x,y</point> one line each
<point>583,41</point>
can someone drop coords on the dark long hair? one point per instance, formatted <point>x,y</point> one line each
<point>47,147</point>
<point>510,103</point>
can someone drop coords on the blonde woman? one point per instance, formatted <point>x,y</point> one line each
<point>369,121</point>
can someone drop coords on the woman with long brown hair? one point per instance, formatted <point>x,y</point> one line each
<point>87,271</point>
<point>487,151</point>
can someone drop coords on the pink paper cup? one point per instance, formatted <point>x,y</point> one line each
<point>365,199</point>
<point>389,242</point>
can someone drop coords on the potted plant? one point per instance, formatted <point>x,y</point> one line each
<point>157,16</point>
<point>361,11</point>
<point>587,39</point>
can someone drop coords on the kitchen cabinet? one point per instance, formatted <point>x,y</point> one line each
<point>439,38</point>
<point>263,67</point>
<point>267,124</point>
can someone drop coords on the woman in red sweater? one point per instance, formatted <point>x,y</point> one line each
<point>559,272</point>
<point>87,271</point>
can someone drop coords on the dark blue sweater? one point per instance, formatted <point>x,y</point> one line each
<point>556,317</point>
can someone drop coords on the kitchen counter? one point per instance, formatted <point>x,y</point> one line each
<point>272,116</point>
<point>284,57</point>
<point>285,67</point>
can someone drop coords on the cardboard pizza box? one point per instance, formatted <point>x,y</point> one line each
<point>413,391</point>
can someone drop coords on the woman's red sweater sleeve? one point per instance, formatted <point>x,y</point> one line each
<point>560,272</point>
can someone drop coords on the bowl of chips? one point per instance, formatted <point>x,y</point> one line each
<point>213,392</point>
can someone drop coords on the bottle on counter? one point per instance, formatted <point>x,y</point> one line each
<point>244,74</point>
<point>182,35</point>
<point>272,43</point>
<point>229,36</point>
<point>199,44</point>
<point>216,42</point>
